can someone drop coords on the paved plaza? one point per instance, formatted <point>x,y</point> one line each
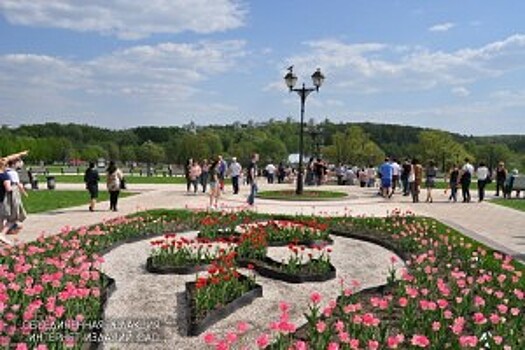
<point>499,227</point>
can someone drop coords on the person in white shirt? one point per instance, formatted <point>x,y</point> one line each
<point>483,176</point>
<point>396,172</point>
<point>235,172</point>
<point>466,177</point>
<point>270,172</point>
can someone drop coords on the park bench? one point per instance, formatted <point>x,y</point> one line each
<point>27,179</point>
<point>70,170</point>
<point>38,171</point>
<point>517,184</point>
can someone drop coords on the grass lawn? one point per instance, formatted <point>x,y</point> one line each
<point>77,179</point>
<point>43,200</point>
<point>308,195</point>
<point>516,203</point>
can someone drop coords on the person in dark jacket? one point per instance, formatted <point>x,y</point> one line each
<point>501,176</point>
<point>91,178</point>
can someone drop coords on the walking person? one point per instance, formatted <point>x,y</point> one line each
<point>415,177</point>
<point>501,176</point>
<point>91,179</point>
<point>281,173</point>
<point>363,178</point>
<point>215,190</point>
<point>405,171</point>
<point>252,178</point>
<point>221,172</point>
<point>430,182</point>
<point>235,173</point>
<point>465,179</point>
<point>5,188</point>
<point>187,169</point>
<point>396,171</point>
<point>17,212</point>
<point>453,183</point>
<point>270,172</point>
<point>195,173</point>
<point>386,171</point>
<point>482,173</point>
<point>205,171</point>
<point>114,180</point>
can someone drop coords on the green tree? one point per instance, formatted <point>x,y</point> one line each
<point>440,147</point>
<point>128,154</point>
<point>92,153</point>
<point>150,153</point>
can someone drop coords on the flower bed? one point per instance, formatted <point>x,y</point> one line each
<point>51,290</point>
<point>454,294</point>
<point>215,296</point>
<point>270,268</point>
<point>283,232</point>
<point>198,323</point>
<point>304,264</point>
<point>179,255</point>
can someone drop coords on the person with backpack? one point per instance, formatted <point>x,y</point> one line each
<point>465,179</point>
<point>91,179</point>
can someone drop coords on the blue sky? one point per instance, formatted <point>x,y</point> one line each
<point>452,65</point>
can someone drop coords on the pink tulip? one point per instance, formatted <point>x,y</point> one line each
<point>420,341</point>
<point>479,318</point>
<point>373,345</point>
<point>231,337</point>
<point>320,326</point>
<point>263,340</point>
<point>497,339</point>
<point>242,327</point>
<point>209,338</point>
<point>344,337</point>
<point>300,345</point>
<point>468,341</point>
<point>315,298</point>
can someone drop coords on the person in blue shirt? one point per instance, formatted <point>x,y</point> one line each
<point>386,170</point>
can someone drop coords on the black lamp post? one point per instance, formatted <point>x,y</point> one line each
<point>303,92</point>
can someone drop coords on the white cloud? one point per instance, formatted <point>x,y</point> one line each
<point>376,68</point>
<point>144,80</point>
<point>442,27</point>
<point>127,19</point>
<point>460,91</point>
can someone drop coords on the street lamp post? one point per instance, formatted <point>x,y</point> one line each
<point>303,92</point>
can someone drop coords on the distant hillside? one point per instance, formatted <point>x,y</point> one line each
<point>275,139</point>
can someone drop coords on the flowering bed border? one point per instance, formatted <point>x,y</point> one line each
<point>370,237</point>
<point>179,270</point>
<point>270,268</point>
<point>307,243</point>
<point>196,327</point>
<point>108,287</point>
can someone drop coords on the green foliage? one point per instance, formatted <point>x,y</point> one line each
<point>353,147</point>
<point>440,147</point>
<point>150,152</point>
<point>355,143</point>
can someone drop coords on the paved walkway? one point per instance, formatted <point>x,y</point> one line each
<point>499,227</point>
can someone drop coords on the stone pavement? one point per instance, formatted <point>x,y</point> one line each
<point>499,227</point>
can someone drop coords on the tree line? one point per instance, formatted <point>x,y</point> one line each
<point>350,143</point>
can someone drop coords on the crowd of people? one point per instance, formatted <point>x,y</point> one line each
<point>208,176</point>
<point>213,172</point>
<point>412,175</point>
